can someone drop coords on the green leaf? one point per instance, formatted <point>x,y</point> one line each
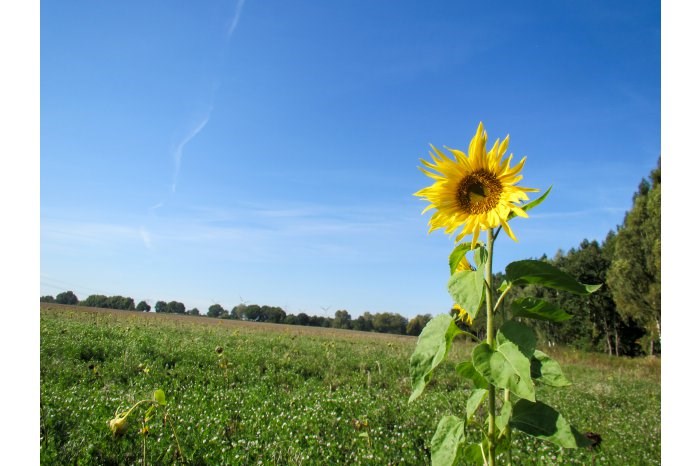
<point>159,397</point>
<point>457,254</point>
<point>466,370</point>
<point>480,256</point>
<point>541,273</point>
<point>544,422</point>
<point>467,290</point>
<point>547,370</point>
<point>505,367</point>
<point>520,334</point>
<point>474,401</point>
<point>504,417</point>
<point>534,308</point>
<point>433,344</point>
<point>532,204</point>
<point>474,453</point>
<point>447,441</point>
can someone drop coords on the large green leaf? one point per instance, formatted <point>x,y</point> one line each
<point>457,254</point>
<point>474,453</point>
<point>474,401</point>
<point>503,417</point>
<point>520,334</point>
<point>467,290</point>
<point>547,370</point>
<point>541,273</point>
<point>447,441</point>
<point>506,367</point>
<point>544,422</point>
<point>535,308</point>
<point>466,370</point>
<point>433,344</point>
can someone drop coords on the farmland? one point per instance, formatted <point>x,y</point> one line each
<point>251,393</point>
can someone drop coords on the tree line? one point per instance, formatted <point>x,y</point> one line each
<point>622,318</point>
<point>382,322</point>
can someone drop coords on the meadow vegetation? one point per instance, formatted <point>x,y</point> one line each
<point>253,393</point>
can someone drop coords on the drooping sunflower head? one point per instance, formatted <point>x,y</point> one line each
<point>474,191</point>
<point>462,314</point>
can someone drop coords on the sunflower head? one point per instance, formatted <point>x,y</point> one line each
<point>462,314</point>
<point>474,191</point>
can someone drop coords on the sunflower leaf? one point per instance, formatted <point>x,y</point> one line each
<point>547,370</point>
<point>467,290</point>
<point>533,204</point>
<point>534,308</point>
<point>457,255</point>
<point>536,272</point>
<point>519,334</point>
<point>447,441</point>
<point>433,344</point>
<point>466,369</point>
<point>544,422</point>
<point>506,367</point>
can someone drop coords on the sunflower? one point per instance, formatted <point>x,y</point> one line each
<point>474,192</point>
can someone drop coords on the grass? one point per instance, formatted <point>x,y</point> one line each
<point>282,394</point>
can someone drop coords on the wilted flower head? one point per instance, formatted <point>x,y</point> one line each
<point>118,425</point>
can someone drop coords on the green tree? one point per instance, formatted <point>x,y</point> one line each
<point>47,299</point>
<point>143,306</point>
<point>216,310</point>
<point>416,325</point>
<point>67,297</point>
<point>386,322</point>
<point>95,300</point>
<point>303,318</point>
<point>176,307</point>
<point>161,306</point>
<point>635,272</point>
<point>342,319</point>
<point>193,312</point>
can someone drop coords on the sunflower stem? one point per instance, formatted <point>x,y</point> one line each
<point>489,339</point>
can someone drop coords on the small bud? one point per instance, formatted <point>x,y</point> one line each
<point>118,426</point>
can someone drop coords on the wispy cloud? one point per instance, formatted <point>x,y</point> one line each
<point>177,153</point>
<point>146,237</point>
<point>235,18</point>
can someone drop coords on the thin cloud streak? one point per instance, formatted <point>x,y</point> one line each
<point>236,17</point>
<point>177,155</point>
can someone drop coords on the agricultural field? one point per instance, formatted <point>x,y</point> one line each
<point>267,394</point>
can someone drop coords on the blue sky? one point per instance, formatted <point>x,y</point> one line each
<point>267,152</point>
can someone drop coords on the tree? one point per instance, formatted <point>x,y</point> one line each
<point>47,299</point>
<point>291,319</point>
<point>635,272</point>
<point>161,306</point>
<point>216,310</point>
<point>363,323</point>
<point>386,322</point>
<point>417,324</point>
<point>143,306</point>
<point>303,318</point>
<point>176,307</point>
<point>193,312</point>
<point>342,319</point>
<point>67,297</point>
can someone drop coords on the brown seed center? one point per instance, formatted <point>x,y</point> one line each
<point>479,192</point>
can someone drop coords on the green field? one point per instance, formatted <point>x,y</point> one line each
<point>281,394</point>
